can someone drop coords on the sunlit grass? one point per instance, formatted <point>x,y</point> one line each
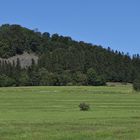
<point>52,113</point>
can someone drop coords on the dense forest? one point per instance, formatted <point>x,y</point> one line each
<point>62,60</point>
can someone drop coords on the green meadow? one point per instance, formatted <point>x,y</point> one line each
<point>52,113</point>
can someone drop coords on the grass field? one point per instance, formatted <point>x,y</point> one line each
<point>52,113</point>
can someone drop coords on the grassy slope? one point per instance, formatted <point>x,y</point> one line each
<point>52,113</point>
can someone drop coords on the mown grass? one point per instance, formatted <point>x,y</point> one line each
<point>52,113</point>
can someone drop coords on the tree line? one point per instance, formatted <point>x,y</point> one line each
<point>62,60</point>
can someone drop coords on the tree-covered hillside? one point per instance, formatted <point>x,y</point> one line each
<point>62,60</point>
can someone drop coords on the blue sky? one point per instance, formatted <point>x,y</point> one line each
<point>113,23</point>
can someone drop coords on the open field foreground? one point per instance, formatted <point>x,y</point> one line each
<point>52,113</point>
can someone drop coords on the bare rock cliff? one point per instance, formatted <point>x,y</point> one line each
<point>25,59</point>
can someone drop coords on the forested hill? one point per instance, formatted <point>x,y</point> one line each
<point>62,60</point>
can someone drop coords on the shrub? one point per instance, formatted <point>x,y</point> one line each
<point>136,85</point>
<point>6,81</point>
<point>84,107</point>
<point>93,79</point>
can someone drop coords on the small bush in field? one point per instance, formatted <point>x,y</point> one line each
<point>84,107</point>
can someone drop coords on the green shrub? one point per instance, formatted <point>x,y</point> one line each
<point>93,79</point>
<point>136,85</point>
<point>84,107</point>
<point>6,81</point>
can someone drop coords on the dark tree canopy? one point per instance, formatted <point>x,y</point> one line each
<point>62,60</point>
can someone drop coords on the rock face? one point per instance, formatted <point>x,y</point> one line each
<point>25,59</point>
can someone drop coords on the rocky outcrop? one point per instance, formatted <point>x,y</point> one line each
<point>25,59</point>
